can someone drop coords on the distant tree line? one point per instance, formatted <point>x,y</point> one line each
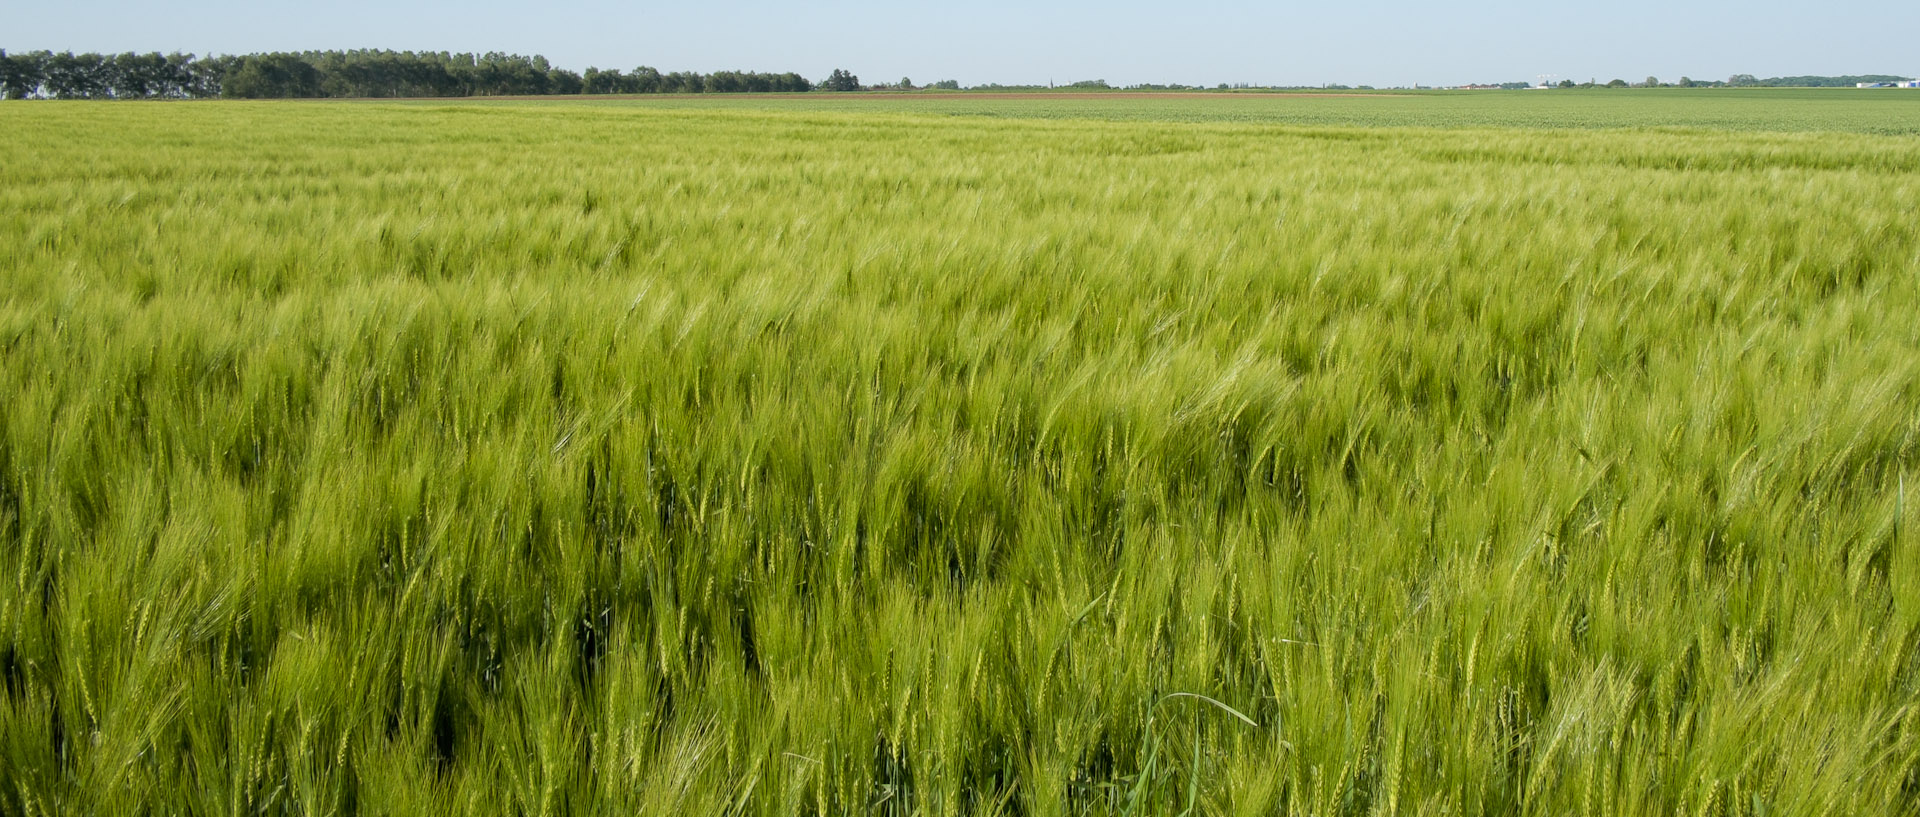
<point>644,80</point>
<point>370,73</point>
<point>1748,80</point>
<point>360,73</point>
<point>97,76</point>
<point>1735,81</point>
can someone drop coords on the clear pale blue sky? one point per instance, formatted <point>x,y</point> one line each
<point>1384,43</point>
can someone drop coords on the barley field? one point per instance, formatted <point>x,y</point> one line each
<point>1875,111</point>
<point>793,457</point>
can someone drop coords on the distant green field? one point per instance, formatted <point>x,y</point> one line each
<point>1883,111</point>
<point>845,456</point>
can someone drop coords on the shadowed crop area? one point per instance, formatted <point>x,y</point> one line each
<point>627,458</point>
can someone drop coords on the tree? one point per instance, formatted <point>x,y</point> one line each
<point>1652,82</point>
<point>840,80</point>
<point>906,84</point>
<point>643,80</point>
<point>1742,80</point>
<point>562,81</point>
<point>947,85</point>
<point>179,75</point>
<point>1566,83</point>
<point>683,82</point>
<point>78,76</point>
<point>144,76</point>
<point>210,75</point>
<point>1618,83</point>
<point>22,74</point>
<point>271,76</point>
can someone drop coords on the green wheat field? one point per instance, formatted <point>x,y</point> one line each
<point>1526,453</point>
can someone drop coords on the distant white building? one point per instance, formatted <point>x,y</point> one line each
<point>1905,83</point>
